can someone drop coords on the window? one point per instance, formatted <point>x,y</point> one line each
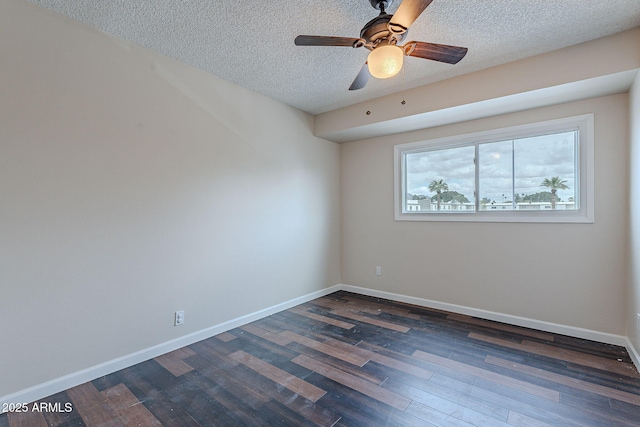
<point>540,172</point>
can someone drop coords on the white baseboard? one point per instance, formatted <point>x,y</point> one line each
<point>633,353</point>
<point>57,385</point>
<point>498,317</point>
<point>505,318</point>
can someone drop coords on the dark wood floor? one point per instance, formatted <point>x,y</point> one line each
<point>352,360</point>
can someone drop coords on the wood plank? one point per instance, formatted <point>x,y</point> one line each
<point>128,408</point>
<point>274,413</point>
<point>542,409</point>
<point>403,366</point>
<point>26,419</point>
<point>241,392</point>
<point>363,386</point>
<point>317,413</point>
<point>365,372</point>
<point>225,337</point>
<point>457,394</point>
<point>572,356</point>
<point>242,383</point>
<point>173,364</point>
<point>139,380</point>
<point>430,367</point>
<point>491,376</point>
<point>519,420</point>
<point>215,352</point>
<point>265,348</point>
<point>93,407</point>
<point>279,376</point>
<point>193,397</point>
<point>366,319</point>
<point>501,326</point>
<point>343,309</point>
<point>624,396</point>
<point>183,353</point>
<point>358,409</point>
<point>329,302</point>
<point>372,307</point>
<point>347,356</point>
<point>435,417</point>
<point>267,335</point>
<point>567,355</point>
<point>58,410</point>
<point>445,411</point>
<point>382,359</point>
<point>325,319</point>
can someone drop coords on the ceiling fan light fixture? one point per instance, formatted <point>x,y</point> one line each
<point>382,35</point>
<point>385,61</point>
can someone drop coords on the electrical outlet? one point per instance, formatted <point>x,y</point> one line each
<point>378,270</point>
<point>178,318</point>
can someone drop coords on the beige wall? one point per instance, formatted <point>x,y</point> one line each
<point>132,186</point>
<point>633,293</point>
<point>569,274</point>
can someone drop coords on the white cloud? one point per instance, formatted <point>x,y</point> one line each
<point>535,159</point>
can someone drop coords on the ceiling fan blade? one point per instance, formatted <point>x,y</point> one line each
<point>362,78</point>
<point>328,41</point>
<point>435,52</point>
<point>407,13</point>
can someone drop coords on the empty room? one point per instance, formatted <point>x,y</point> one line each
<point>337,213</point>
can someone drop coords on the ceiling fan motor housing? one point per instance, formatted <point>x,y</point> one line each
<point>377,30</point>
<point>380,3</point>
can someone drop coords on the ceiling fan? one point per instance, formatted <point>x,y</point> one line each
<point>381,36</point>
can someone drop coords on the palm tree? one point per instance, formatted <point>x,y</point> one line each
<point>438,186</point>
<point>555,184</point>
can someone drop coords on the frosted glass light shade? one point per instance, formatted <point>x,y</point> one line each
<point>385,61</point>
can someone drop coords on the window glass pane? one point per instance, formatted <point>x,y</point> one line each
<point>496,176</point>
<point>534,173</point>
<point>537,172</point>
<point>441,180</point>
<point>545,172</point>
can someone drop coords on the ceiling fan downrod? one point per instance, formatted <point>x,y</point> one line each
<point>381,5</point>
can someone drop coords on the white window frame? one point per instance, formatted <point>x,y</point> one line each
<point>584,124</point>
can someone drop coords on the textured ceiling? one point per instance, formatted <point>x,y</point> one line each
<point>250,42</point>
